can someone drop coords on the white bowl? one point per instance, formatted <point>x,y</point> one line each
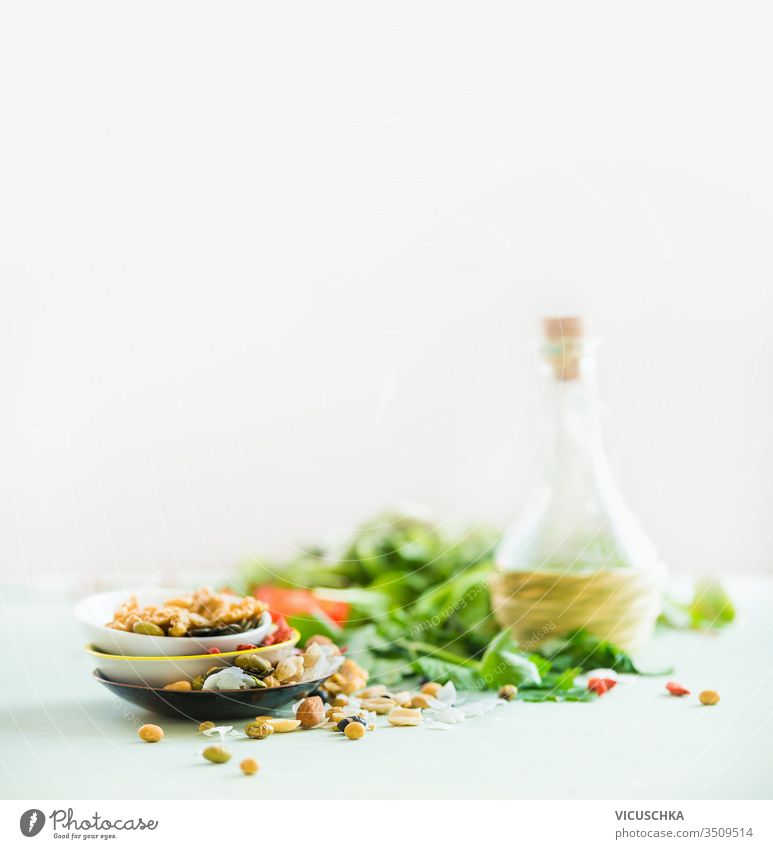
<point>93,612</point>
<point>160,671</point>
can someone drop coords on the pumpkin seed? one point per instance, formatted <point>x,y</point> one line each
<point>253,663</point>
<point>148,628</point>
<point>217,754</point>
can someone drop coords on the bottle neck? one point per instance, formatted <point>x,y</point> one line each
<point>573,424</point>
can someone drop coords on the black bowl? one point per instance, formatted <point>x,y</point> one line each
<point>201,705</point>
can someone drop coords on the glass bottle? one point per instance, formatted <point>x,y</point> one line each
<point>577,557</point>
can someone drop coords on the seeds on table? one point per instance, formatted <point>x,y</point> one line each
<point>205,726</point>
<point>249,766</point>
<point>344,723</point>
<point>380,706</point>
<point>403,698</point>
<point>355,731</point>
<point>216,754</point>
<point>279,725</point>
<point>431,688</point>
<point>311,712</point>
<point>377,691</point>
<point>508,692</point>
<point>421,700</point>
<point>258,730</point>
<point>709,697</point>
<point>151,733</point>
<point>404,716</point>
<point>677,689</point>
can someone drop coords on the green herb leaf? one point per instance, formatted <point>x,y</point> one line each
<point>586,651</point>
<point>502,663</point>
<point>710,608</point>
<point>464,677</point>
<point>572,694</point>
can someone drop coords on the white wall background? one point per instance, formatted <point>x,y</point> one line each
<point>267,268</point>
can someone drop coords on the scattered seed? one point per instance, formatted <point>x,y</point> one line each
<point>677,689</point>
<point>151,733</point>
<point>217,754</point>
<point>508,692</point>
<point>380,705</point>
<point>709,697</point>
<point>281,726</point>
<point>348,720</point>
<point>205,726</point>
<point>258,730</point>
<point>249,766</point>
<point>355,731</point>
<point>311,712</point>
<point>404,716</point>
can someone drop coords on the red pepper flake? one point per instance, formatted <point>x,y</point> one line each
<point>282,633</point>
<point>213,650</point>
<point>245,646</point>
<point>677,689</point>
<point>599,686</point>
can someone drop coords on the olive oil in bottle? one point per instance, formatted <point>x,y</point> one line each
<point>577,557</point>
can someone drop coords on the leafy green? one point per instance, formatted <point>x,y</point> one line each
<point>710,607</point>
<point>419,607</point>
<point>565,694</point>
<point>502,663</point>
<point>463,677</point>
<point>404,570</point>
<point>583,650</point>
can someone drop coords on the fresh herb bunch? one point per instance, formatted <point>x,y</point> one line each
<point>417,606</point>
<point>710,608</point>
<point>407,576</point>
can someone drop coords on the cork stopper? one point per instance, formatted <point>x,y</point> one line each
<point>563,345</point>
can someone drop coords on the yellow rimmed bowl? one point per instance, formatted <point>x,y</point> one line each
<point>159,671</point>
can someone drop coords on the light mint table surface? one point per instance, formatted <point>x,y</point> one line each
<point>65,737</point>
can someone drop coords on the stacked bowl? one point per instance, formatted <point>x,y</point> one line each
<point>141,667</point>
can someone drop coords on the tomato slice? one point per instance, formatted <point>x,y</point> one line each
<point>292,602</point>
